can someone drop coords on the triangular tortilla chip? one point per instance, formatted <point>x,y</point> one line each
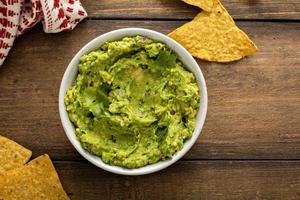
<point>35,180</point>
<point>203,4</point>
<point>214,36</point>
<point>12,155</point>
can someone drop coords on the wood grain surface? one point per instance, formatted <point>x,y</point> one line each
<point>186,180</point>
<point>254,104</point>
<point>176,9</point>
<point>250,144</point>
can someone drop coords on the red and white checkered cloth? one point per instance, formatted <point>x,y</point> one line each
<point>17,16</point>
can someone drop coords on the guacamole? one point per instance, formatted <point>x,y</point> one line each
<point>133,103</point>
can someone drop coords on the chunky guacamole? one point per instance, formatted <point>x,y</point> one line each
<point>133,103</point>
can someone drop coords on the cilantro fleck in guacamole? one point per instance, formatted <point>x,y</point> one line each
<point>133,103</point>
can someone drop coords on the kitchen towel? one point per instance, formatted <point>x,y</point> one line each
<point>18,16</point>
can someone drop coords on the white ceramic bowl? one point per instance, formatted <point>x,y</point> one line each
<point>71,73</point>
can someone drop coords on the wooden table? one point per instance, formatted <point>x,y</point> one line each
<point>250,145</point>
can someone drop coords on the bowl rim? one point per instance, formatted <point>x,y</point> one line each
<point>184,57</point>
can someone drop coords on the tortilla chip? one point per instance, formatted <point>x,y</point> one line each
<point>12,155</point>
<point>35,180</point>
<point>214,37</point>
<point>206,5</point>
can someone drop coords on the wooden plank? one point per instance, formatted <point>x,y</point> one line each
<point>186,180</point>
<point>176,9</point>
<point>254,104</point>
